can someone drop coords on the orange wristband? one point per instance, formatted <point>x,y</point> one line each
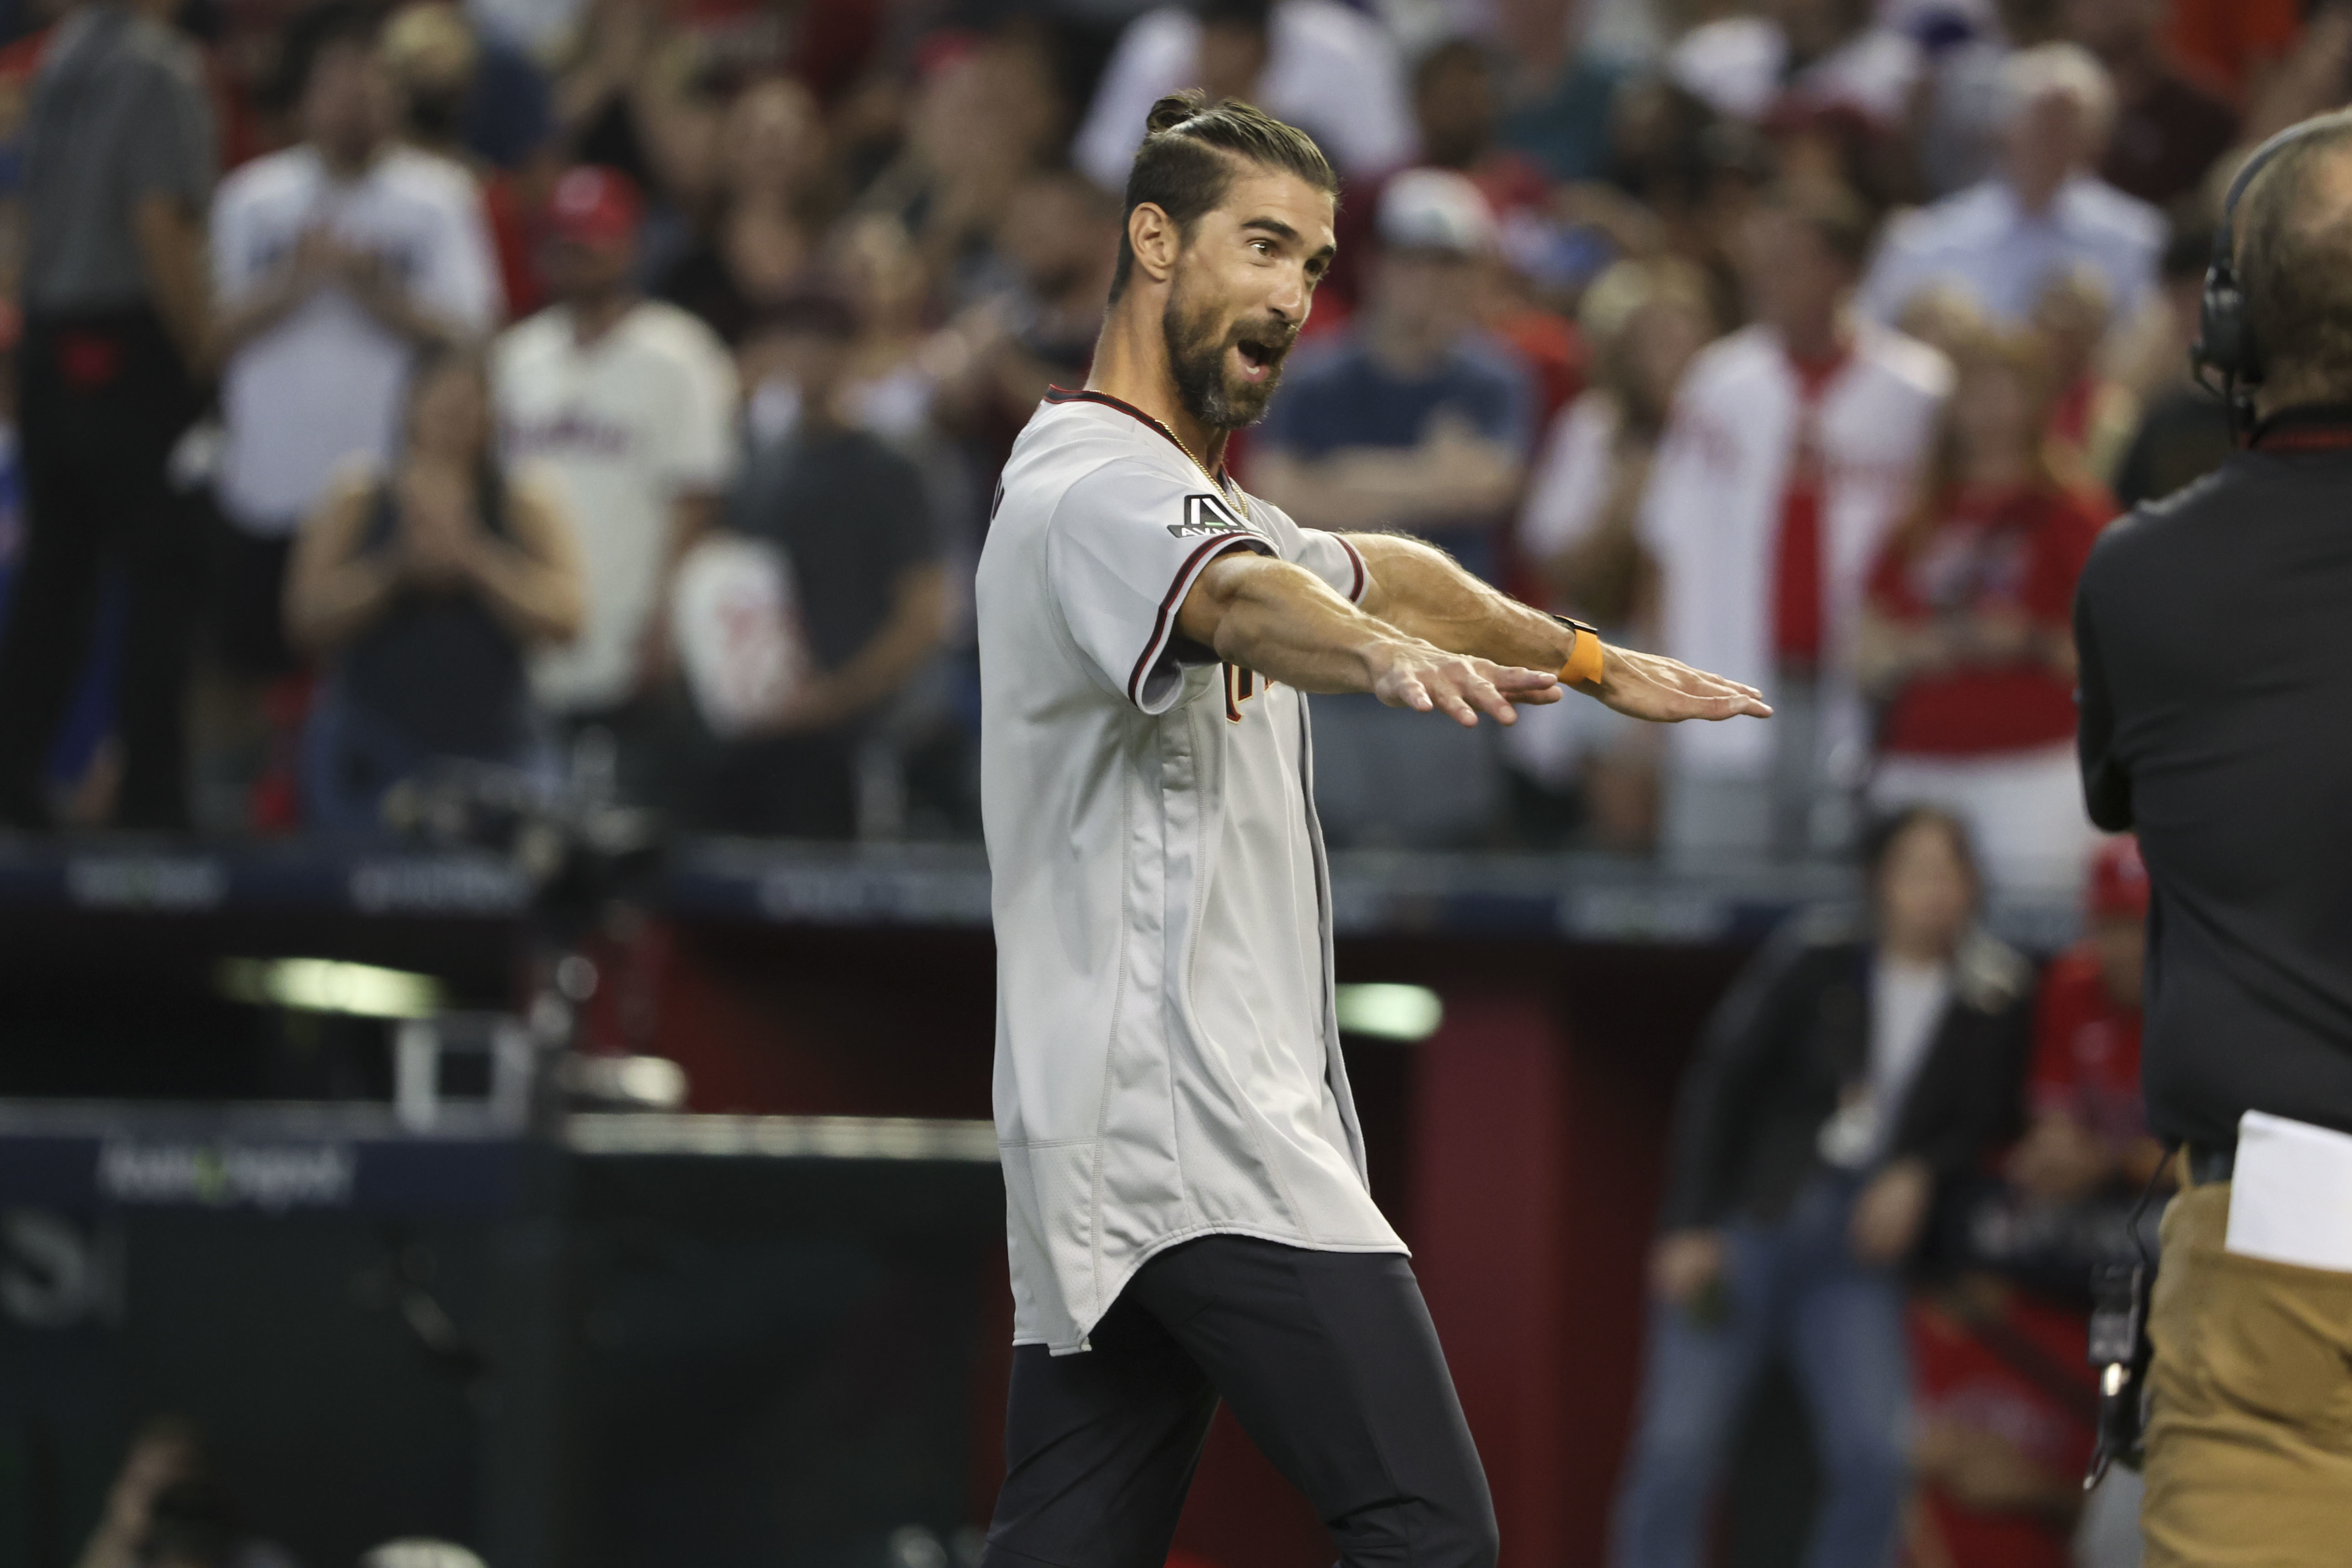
<point>1584,665</point>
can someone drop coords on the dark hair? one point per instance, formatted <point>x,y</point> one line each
<point>1191,154</point>
<point>1835,215</point>
<point>311,34</point>
<point>2291,251</point>
<point>1880,838</point>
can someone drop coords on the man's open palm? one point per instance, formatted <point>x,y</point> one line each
<point>1667,690</point>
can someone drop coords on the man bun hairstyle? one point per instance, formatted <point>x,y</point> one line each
<point>1192,150</point>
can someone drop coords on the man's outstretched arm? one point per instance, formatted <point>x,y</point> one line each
<point>1419,590</point>
<point>1287,624</point>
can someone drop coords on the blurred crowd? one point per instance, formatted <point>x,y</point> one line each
<point>1900,1156</point>
<point>615,389</point>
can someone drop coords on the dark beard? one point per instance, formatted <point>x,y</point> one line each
<point>1196,359</point>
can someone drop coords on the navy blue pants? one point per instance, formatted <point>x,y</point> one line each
<point>1328,1359</point>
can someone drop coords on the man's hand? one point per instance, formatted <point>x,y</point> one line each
<point>1890,1212</point>
<point>1407,673</point>
<point>1683,1263</point>
<point>2060,1159</point>
<point>1667,691</point>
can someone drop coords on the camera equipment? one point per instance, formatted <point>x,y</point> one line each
<point>2120,1348</point>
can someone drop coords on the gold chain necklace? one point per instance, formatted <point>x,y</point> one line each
<point>1225,488</point>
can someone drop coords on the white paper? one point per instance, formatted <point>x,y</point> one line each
<point>2291,1197</point>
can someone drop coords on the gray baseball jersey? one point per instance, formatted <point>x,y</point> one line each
<point>1167,1060</point>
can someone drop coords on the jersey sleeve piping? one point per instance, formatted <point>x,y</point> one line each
<point>1363,578</point>
<point>1163,626</point>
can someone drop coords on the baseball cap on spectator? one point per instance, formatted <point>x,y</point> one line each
<point>1437,210</point>
<point>2118,879</point>
<point>595,206</point>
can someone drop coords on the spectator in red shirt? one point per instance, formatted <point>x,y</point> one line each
<point>2089,1124</point>
<point>2003,1406</point>
<point>1965,641</point>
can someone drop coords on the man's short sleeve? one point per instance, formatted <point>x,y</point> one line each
<point>167,143</point>
<point>1127,543</point>
<point>1329,555</point>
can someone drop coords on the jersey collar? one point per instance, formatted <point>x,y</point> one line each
<point>2307,427</point>
<point>1065,394</point>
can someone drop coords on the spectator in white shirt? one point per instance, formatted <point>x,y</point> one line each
<point>1793,448</point>
<point>629,405</point>
<point>2044,213</point>
<point>1317,64</point>
<point>333,261</point>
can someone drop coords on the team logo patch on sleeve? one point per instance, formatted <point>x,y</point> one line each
<point>1206,514</point>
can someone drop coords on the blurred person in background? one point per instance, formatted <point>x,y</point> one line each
<point>2003,239</point>
<point>986,114</point>
<point>1410,419</point>
<point>164,1451</point>
<point>165,1510</point>
<point>417,1552</point>
<point>1797,58</point>
<point>630,403</point>
<point>1057,238</point>
<point>1848,1075</point>
<point>468,101</point>
<point>2239,45</point>
<point>771,163</point>
<point>334,261</point>
<point>890,384</point>
<point>1457,111</point>
<point>1642,324</point>
<point>193,1524</point>
<point>1793,448</point>
<point>1325,66</point>
<point>2087,1154</point>
<point>2090,413</point>
<point>893,379</point>
<point>424,585</point>
<point>2088,1126</point>
<point>1964,635</point>
<point>2183,433</point>
<point>118,164</point>
<point>2169,130</point>
<point>2004,1407</point>
<point>850,517</point>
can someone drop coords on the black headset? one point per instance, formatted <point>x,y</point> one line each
<point>2225,339</point>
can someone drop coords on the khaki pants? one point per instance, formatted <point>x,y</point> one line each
<point>2250,1446</point>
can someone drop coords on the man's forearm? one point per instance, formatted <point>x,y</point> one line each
<point>1419,590</point>
<point>172,254</point>
<point>1287,624</point>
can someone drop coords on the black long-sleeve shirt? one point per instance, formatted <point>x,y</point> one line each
<point>2215,629</point>
<point>1794,1036</point>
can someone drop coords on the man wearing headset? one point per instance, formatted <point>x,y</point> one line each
<point>2215,629</point>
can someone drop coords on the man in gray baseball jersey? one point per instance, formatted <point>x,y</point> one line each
<point>1186,1193</point>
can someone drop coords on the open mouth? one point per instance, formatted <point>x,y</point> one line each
<point>1258,359</point>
